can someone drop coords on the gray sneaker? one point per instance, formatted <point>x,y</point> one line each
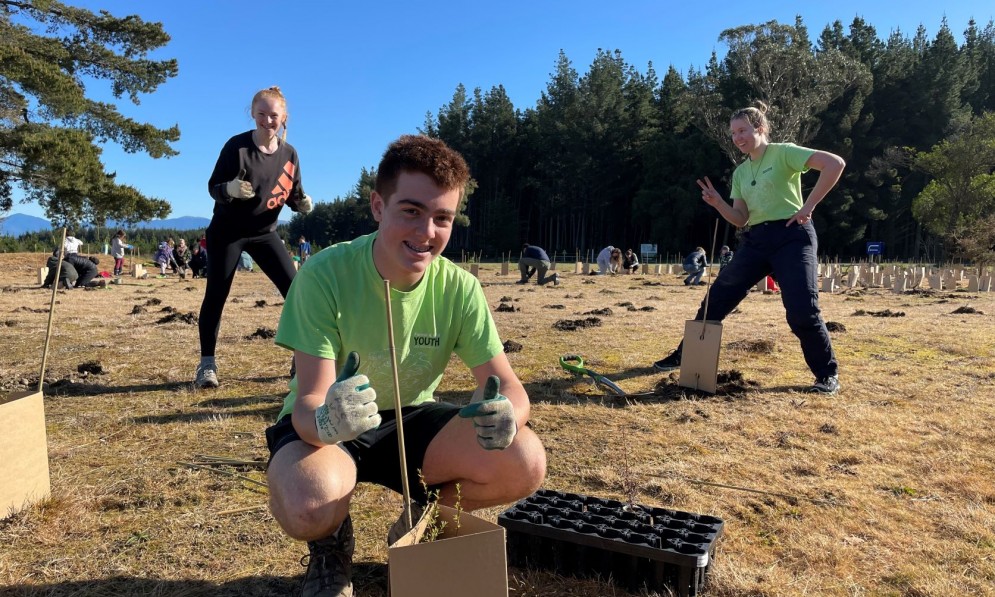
<point>329,565</point>
<point>826,385</point>
<point>207,377</point>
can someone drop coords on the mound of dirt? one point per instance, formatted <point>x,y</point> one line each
<point>605,311</point>
<point>885,313</point>
<point>835,326</point>
<point>138,309</point>
<point>652,283</point>
<point>647,308</point>
<point>153,302</point>
<point>554,307</point>
<point>624,304</point>
<point>262,333</point>
<point>512,346</point>
<point>966,309</point>
<point>260,303</point>
<point>756,346</point>
<point>505,299</point>
<point>572,325</point>
<point>10,323</point>
<point>729,383</point>
<point>190,318</point>
<point>506,308</point>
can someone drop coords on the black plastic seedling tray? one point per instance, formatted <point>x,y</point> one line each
<point>634,546</point>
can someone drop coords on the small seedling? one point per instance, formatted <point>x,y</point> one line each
<point>435,526</point>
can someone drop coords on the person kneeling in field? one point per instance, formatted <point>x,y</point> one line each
<point>338,423</point>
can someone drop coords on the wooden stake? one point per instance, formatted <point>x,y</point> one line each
<point>51,309</point>
<point>397,408</point>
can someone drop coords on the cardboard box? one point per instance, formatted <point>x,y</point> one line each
<point>24,477</point>
<point>470,561</point>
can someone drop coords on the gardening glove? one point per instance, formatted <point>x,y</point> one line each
<point>350,407</point>
<point>493,416</point>
<point>238,188</point>
<point>305,205</point>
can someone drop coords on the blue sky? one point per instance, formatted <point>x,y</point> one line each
<point>357,75</point>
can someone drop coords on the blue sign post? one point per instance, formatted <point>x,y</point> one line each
<point>875,248</point>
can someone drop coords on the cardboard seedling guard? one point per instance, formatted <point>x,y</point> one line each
<point>700,355</point>
<point>24,476</point>
<point>468,561</point>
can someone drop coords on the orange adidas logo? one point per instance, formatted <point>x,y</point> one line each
<point>281,191</point>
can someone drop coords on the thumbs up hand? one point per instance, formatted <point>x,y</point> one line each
<point>493,416</point>
<point>238,188</point>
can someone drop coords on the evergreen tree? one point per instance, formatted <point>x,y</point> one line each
<point>50,129</point>
<point>962,186</point>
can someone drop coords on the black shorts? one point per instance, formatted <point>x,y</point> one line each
<point>375,452</point>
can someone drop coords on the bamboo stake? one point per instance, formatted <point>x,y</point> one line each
<point>397,408</point>
<point>51,310</point>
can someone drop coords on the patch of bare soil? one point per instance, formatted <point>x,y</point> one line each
<point>966,309</point>
<point>512,346</point>
<point>883,313</point>
<point>572,325</point>
<point>90,367</point>
<point>262,334</point>
<point>835,326</point>
<point>729,384</point>
<point>189,318</point>
<point>762,346</point>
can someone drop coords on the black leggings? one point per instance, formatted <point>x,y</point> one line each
<point>223,253</point>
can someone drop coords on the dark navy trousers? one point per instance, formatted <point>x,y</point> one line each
<point>790,254</point>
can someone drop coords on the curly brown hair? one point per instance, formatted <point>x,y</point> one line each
<point>425,155</point>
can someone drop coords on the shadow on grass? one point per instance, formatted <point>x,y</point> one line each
<point>68,387</point>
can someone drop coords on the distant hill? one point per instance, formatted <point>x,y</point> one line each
<point>180,223</point>
<point>18,224</point>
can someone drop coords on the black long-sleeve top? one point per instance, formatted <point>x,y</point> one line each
<point>275,177</point>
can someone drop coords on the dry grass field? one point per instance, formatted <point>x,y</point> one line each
<point>886,489</point>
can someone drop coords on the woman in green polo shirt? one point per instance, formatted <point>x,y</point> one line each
<point>780,241</point>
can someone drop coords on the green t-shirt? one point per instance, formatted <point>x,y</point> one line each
<point>336,305</point>
<point>778,192</point>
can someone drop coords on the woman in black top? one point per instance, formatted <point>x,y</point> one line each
<point>256,174</point>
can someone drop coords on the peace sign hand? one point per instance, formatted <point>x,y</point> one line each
<point>708,193</point>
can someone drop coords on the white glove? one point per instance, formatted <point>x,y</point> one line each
<point>238,188</point>
<point>305,205</point>
<point>350,407</point>
<point>493,416</point>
